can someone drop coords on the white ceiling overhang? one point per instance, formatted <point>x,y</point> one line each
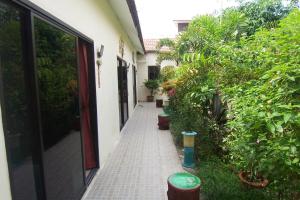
<point>126,18</point>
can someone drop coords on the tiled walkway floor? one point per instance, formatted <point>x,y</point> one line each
<point>141,163</point>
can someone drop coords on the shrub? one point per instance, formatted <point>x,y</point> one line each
<point>219,182</point>
<point>167,73</point>
<point>152,85</point>
<point>243,95</point>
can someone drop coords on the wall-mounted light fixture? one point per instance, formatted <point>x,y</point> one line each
<point>127,67</point>
<point>100,51</point>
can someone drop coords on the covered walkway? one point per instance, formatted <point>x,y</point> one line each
<point>141,163</point>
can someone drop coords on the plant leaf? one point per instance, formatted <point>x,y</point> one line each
<point>296,160</point>
<point>286,117</point>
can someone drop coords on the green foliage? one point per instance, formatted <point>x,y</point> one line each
<point>218,182</point>
<point>263,13</point>
<point>200,36</point>
<point>167,73</point>
<point>165,42</point>
<point>233,26</point>
<point>239,86</point>
<point>166,50</point>
<point>152,85</point>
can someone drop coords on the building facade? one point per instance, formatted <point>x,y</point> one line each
<point>68,77</point>
<point>146,63</point>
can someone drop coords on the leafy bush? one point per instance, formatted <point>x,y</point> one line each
<point>265,121</point>
<point>167,73</point>
<point>263,13</point>
<point>218,182</point>
<point>152,85</point>
<point>240,90</point>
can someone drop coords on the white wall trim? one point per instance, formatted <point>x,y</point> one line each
<point>5,193</point>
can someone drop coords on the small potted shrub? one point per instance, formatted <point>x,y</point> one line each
<point>159,98</point>
<point>251,175</point>
<point>152,85</point>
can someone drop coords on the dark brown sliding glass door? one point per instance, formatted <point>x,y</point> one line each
<point>123,92</point>
<point>86,122</point>
<point>134,85</point>
<point>20,134</point>
<point>48,105</point>
<point>58,89</point>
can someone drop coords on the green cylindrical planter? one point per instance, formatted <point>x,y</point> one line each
<point>188,160</point>
<point>188,143</point>
<point>183,186</point>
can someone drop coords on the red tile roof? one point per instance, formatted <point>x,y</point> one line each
<point>150,45</point>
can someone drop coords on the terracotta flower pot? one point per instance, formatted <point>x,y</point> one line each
<point>150,98</point>
<point>261,184</point>
<point>159,103</point>
<point>163,122</point>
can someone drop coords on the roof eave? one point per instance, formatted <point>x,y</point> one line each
<point>127,15</point>
<point>136,21</point>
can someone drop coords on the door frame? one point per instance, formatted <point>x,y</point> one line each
<point>32,11</point>
<point>134,70</point>
<point>92,104</point>
<point>121,89</point>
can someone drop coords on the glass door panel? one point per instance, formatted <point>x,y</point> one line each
<point>123,92</point>
<point>134,85</point>
<point>16,110</point>
<point>57,74</point>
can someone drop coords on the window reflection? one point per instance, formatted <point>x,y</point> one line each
<point>16,111</point>
<point>59,104</point>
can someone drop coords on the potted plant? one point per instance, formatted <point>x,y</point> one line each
<point>257,181</point>
<point>251,176</point>
<point>249,155</point>
<point>152,85</point>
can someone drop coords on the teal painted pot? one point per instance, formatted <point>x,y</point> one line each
<point>188,160</point>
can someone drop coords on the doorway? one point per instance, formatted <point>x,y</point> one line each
<point>123,92</point>
<point>134,85</point>
<point>87,103</point>
<point>48,103</point>
<point>59,97</point>
<point>18,115</point>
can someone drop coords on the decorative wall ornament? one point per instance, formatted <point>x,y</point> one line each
<point>133,56</point>
<point>121,47</point>
<point>99,62</point>
<point>127,67</point>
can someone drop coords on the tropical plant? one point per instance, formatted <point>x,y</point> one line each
<point>166,51</point>
<point>152,85</point>
<point>167,73</point>
<point>265,122</point>
<point>264,13</point>
<point>238,85</point>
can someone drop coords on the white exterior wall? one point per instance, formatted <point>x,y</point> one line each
<point>96,20</point>
<point>5,186</point>
<point>149,59</point>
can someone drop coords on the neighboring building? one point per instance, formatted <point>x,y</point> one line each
<point>67,86</point>
<point>148,67</point>
<point>182,25</point>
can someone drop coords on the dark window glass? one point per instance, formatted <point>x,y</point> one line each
<point>153,72</point>
<point>18,127</point>
<point>134,85</point>
<point>123,92</point>
<point>60,113</point>
<point>182,26</point>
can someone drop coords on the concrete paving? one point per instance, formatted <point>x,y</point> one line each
<point>141,163</point>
